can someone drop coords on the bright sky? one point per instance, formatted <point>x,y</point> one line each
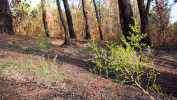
<point>173,12</point>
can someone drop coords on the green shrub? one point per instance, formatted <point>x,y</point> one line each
<point>124,63</point>
<point>40,43</point>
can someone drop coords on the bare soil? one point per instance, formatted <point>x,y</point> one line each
<point>77,81</point>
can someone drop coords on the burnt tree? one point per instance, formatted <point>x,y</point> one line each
<point>44,18</point>
<point>98,19</point>
<point>69,19</point>
<point>6,25</point>
<point>67,41</point>
<point>87,19</point>
<point>144,12</point>
<point>126,17</point>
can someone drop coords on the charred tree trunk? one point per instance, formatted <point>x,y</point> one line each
<point>6,25</point>
<point>126,15</point>
<point>69,19</point>
<point>144,20</point>
<point>98,20</point>
<point>87,18</point>
<point>67,41</point>
<point>44,18</point>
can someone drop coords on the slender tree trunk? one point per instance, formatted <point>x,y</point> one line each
<point>77,19</point>
<point>99,11</point>
<point>87,18</point>
<point>69,19</point>
<point>118,18</point>
<point>67,41</point>
<point>44,18</point>
<point>159,14</point>
<point>98,20</point>
<point>144,20</point>
<point>126,15</point>
<point>6,25</point>
<point>110,22</point>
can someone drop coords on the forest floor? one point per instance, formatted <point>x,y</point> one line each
<point>76,81</point>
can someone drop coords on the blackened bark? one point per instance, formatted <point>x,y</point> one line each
<point>67,41</point>
<point>148,6</point>
<point>44,18</point>
<point>87,18</point>
<point>6,25</point>
<point>98,20</point>
<point>69,19</point>
<point>126,17</point>
<point>144,20</point>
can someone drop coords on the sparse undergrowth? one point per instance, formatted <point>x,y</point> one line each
<point>32,69</point>
<point>40,43</point>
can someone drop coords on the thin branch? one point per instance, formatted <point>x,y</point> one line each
<point>142,88</point>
